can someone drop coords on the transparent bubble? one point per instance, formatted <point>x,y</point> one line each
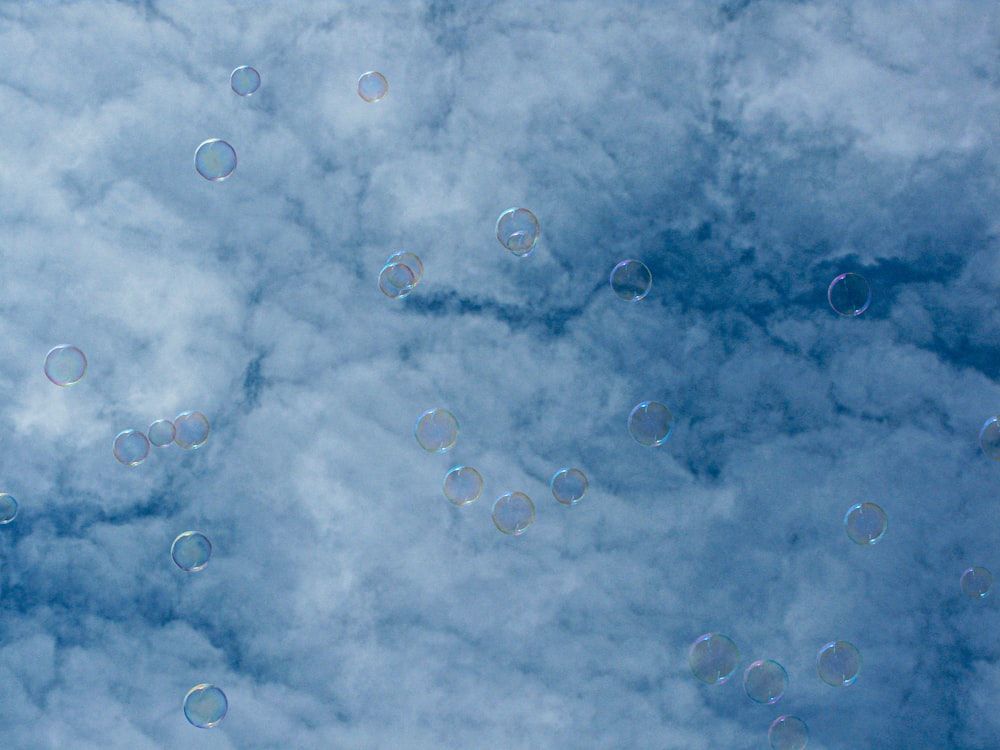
<point>765,681</point>
<point>631,280</point>
<point>411,261</point>
<point>849,294</point>
<point>436,430</point>
<point>215,160</point>
<point>372,86</point>
<point>788,733</point>
<point>191,551</point>
<point>463,485</point>
<point>568,486</point>
<point>513,513</point>
<point>396,280</point>
<point>65,365</point>
<point>713,658</point>
<point>161,433</point>
<point>865,523</point>
<point>976,582</point>
<point>245,80</point>
<point>517,230</point>
<point>838,663</point>
<point>190,429</point>
<point>989,438</point>
<point>131,447</point>
<point>205,706</point>
<point>8,508</point>
<point>650,423</point>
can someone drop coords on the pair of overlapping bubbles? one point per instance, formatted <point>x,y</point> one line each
<point>189,430</point>
<point>400,274</point>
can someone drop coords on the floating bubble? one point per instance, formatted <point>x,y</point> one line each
<point>411,261</point>
<point>65,365</point>
<point>436,430</point>
<point>631,280</point>
<point>788,733</point>
<point>765,681</point>
<point>191,551</point>
<point>372,86</point>
<point>976,582</point>
<point>161,433</point>
<point>245,80</point>
<point>989,438</point>
<point>131,447</point>
<point>215,160</point>
<point>463,485</point>
<point>190,429</point>
<point>849,294</point>
<point>865,523</point>
<point>396,280</point>
<point>650,423</point>
<point>513,513</point>
<point>838,663</point>
<point>205,706</point>
<point>517,230</point>
<point>568,486</point>
<point>713,658</point>
<point>8,508</point>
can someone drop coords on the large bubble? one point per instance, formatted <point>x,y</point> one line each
<point>436,430</point>
<point>650,423</point>
<point>765,681</point>
<point>517,230</point>
<point>215,159</point>
<point>205,706</point>
<point>568,486</point>
<point>788,733</point>
<point>161,433</point>
<point>65,365</point>
<point>245,80</point>
<point>631,280</point>
<point>131,447</point>
<point>372,86</point>
<point>462,485</point>
<point>976,582</point>
<point>865,523</point>
<point>8,508</point>
<point>513,513</point>
<point>191,429</point>
<point>849,294</point>
<point>838,663</point>
<point>713,658</point>
<point>191,551</point>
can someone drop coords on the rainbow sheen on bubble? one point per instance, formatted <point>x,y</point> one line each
<point>191,551</point>
<point>650,423</point>
<point>8,508</point>
<point>865,523</point>
<point>205,706</point>
<point>788,733</point>
<point>713,658</point>
<point>976,582</point>
<point>849,294</point>
<point>462,485</point>
<point>245,80</point>
<point>65,365</point>
<point>396,280</point>
<point>436,430</point>
<point>130,447</point>
<point>513,513</point>
<point>765,681</point>
<point>215,159</point>
<point>631,280</point>
<point>989,438</point>
<point>517,230</point>
<point>372,86</point>
<point>569,486</point>
<point>838,663</point>
<point>161,433</point>
<point>191,429</point>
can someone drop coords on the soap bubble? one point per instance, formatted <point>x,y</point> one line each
<point>517,230</point>
<point>436,430</point>
<point>989,438</point>
<point>838,663</point>
<point>191,551</point>
<point>713,658</point>
<point>131,447</point>
<point>765,681</point>
<point>372,86</point>
<point>631,280</point>
<point>568,486</point>
<point>161,433</point>
<point>8,508</point>
<point>513,513</point>
<point>463,485</point>
<point>190,429</point>
<point>650,423</point>
<point>65,365</point>
<point>396,280</point>
<point>788,733</point>
<point>976,582</point>
<point>865,523</point>
<point>205,706</point>
<point>215,160</point>
<point>849,294</point>
<point>245,80</point>
<point>411,261</point>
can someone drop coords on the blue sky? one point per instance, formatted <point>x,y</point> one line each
<point>748,153</point>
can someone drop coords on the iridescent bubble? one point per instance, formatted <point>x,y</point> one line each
<point>462,485</point>
<point>849,294</point>
<point>372,86</point>
<point>436,430</point>
<point>631,280</point>
<point>65,365</point>
<point>989,438</point>
<point>191,551</point>
<point>161,433</point>
<point>245,80</point>
<point>517,230</point>
<point>215,160</point>
<point>411,261</point>
<point>788,733</point>
<point>8,508</point>
<point>568,486</point>
<point>976,582</point>
<point>131,447</point>
<point>865,523</point>
<point>190,429</point>
<point>713,658</point>
<point>765,681</point>
<point>838,663</point>
<point>396,280</point>
<point>205,706</point>
<point>650,423</point>
<point>513,513</point>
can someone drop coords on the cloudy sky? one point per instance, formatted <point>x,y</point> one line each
<point>747,152</point>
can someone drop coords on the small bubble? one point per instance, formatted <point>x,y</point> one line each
<point>462,485</point>
<point>396,280</point>
<point>788,733</point>
<point>568,486</point>
<point>513,513</point>
<point>650,423</point>
<point>631,280</point>
<point>65,365</point>
<point>8,508</point>
<point>190,429</point>
<point>765,681</point>
<point>205,706</point>
<point>849,294</point>
<point>976,582</point>
<point>989,438</point>
<point>411,261</point>
<point>191,551</point>
<point>713,658</point>
<point>436,430</point>
<point>838,663</point>
<point>245,80</point>
<point>215,160</point>
<point>865,523</point>
<point>372,86</point>
<point>131,447</point>
<point>517,230</point>
<point>161,433</point>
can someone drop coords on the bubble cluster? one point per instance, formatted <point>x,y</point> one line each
<point>713,658</point>
<point>245,80</point>
<point>788,733</point>
<point>976,582</point>
<point>191,429</point>
<point>205,706</point>
<point>517,230</point>
<point>372,86</point>
<point>765,681</point>
<point>513,513</point>
<point>131,447</point>
<point>849,294</point>
<point>8,508</point>
<point>191,551</point>
<point>462,485</point>
<point>865,523</point>
<point>436,430</point>
<point>568,486</point>
<point>650,423</point>
<point>631,280</point>
<point>400,274</point>
<point>65,365</point>
<point>161,433</point>
<point>989,438</point>
<point>838,663</point>
<point>215,160</point>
